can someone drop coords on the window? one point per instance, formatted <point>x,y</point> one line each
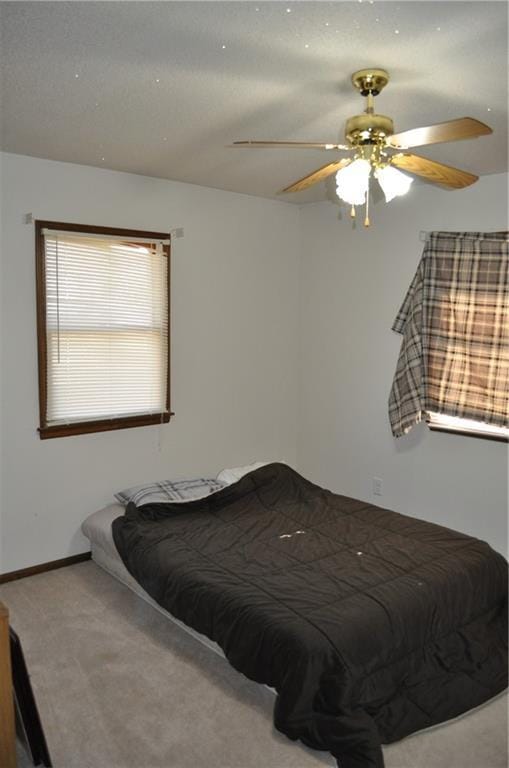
<point>103,328</point>
<point>442,423</point>
<point>453,368</point>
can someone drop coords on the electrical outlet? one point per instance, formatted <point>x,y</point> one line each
<point>377,486</point>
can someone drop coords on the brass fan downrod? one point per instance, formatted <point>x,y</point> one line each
<point>369,128</point>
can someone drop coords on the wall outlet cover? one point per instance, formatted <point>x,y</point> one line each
<point>377,486</point>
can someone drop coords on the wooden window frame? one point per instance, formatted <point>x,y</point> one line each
<point>100,425</point>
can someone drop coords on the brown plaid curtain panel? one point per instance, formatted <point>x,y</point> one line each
<point>454,357</point>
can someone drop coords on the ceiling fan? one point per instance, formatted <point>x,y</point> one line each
<point>376,150</point>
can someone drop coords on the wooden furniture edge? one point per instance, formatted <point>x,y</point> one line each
<point>7,723</point>
<point>42,567</point>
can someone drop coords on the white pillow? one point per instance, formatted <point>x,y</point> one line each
<point>231,475</point>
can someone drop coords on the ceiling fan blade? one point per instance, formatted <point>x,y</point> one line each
<point>438,173</point>
<point>287,145</point>
<point>452,130</point>
<point>318,175</point>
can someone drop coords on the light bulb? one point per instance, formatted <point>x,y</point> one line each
<point>393,182</point>
<point>353,182</point>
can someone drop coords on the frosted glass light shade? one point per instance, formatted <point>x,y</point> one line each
<point>393,182</point>
<point>353,181</point>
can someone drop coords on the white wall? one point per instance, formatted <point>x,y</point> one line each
<point>239,390</point>
<point>234,347</point>
<point>352,285</point>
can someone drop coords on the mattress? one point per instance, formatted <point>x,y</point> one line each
<point>97,528</point>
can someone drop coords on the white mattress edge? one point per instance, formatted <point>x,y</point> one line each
<point>104,561</point>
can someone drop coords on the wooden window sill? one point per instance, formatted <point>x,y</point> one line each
<point>102,425</point>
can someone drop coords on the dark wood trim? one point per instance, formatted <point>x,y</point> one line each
<point>92,230</point>
<point>167,250</point>
<point>98,425</point>
<point>43,567</point>
<point>42,353</point>
<point>104,425</point>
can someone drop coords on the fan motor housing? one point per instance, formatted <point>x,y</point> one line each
<point>368,129</point>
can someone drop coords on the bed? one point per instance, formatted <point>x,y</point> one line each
<point>368,624</point>
<point>97,528</point>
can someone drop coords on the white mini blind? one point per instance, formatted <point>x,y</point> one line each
<point>106,327</point>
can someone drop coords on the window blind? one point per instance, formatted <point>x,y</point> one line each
<point>468,426</point>
<point>106,327</point>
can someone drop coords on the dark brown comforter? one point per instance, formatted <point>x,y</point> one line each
<point>369,624</point>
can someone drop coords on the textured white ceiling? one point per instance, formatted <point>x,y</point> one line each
<point>159,88</point>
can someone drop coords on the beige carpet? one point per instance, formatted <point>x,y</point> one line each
<point>119,686</point>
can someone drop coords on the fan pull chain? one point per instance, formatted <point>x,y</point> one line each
<point>352,212</point>
<point>366,220</point>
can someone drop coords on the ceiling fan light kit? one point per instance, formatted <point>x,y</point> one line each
<point>376,151</point>
<point>352,182</point>
<point>393,182</point>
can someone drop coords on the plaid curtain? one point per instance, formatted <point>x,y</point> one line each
<point>454,357</point>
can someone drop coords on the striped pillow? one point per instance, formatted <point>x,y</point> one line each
<point>169,490</point>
